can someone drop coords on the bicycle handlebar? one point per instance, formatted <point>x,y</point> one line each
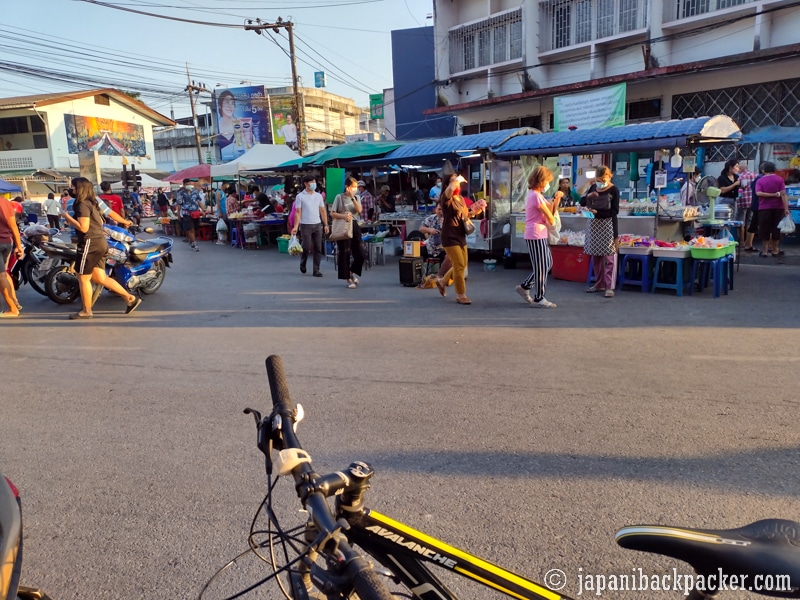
<point>365,581</point>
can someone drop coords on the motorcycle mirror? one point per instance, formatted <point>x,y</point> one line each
<point>148,230</point>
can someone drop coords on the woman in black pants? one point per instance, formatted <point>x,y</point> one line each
<point>350,254</point>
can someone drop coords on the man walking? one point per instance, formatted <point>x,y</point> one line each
<point>188,199</point>
<point>163,202</point>
<point>312,219</point>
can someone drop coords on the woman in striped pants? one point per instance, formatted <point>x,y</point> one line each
<point>539,213</point>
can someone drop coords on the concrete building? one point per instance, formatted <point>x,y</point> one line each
<point>500,63</point>
<point>45,138</point>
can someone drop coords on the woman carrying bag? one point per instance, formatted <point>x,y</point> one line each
<point>345,212</point>
<point>454,239</point>
<point>602,201</point>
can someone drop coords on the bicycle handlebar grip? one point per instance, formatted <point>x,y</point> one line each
<point>277,384</point>
<point>371,586</point>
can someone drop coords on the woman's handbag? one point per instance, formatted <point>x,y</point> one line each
<point>196,214</point>
<point>341,229</point>
<point>469,226</point>
<point>554,231</point>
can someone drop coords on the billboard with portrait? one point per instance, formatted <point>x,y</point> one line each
<point>107,137</point>
<point>242,120</point>
<point>283,121</point>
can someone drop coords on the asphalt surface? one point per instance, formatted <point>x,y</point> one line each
<point>527,436</point>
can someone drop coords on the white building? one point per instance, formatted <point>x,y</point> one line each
<point>501,62</point>
<point>42,136</point>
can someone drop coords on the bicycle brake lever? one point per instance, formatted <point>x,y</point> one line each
<point>256,414</point>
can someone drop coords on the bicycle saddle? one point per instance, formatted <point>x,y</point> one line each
<point>765,548</point>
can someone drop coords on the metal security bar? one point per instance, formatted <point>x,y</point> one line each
<point>682,9</point>
<point>495,40</point>
<point>750,106</point>
<point>571,22</point>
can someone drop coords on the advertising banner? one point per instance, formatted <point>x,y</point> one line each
<point>590,110</point>
<point>376,106</point>
<point>242,120</point>
<point>89,166</point>
<point>283,121</point>
<point>104,136</point>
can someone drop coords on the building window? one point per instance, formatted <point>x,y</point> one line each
<point>644,109</point>
<point>583,21</point>
<point>692,8</point>
<point>12,125</point>
<point>561,24</point>
<point>470,129</point>
<point>37,125</point>
<point>535,122</point>
<point>494,40</point>
<point>101,99</point>
<point>565,23</point>
<point>40,141</point>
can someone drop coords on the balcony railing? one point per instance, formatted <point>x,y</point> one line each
<point>565,23</point>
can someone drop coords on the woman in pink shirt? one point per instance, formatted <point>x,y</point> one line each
<point>538,215</point>
<point>773,205</point>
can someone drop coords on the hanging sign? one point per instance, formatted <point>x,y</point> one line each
<point>660,180</point>
<point>590,110</point>
<point>376,106</point>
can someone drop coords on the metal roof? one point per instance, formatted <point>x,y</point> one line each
<point>638,136</point>
<point>461,145</point>
<point>773,134</point>
<point>40,100</point>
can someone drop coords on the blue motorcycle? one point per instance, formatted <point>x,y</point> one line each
<point>140,266</point>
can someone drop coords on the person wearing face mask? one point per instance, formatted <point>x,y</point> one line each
<point>311,218</point>
<point>688,188</point>
<point>728,183</point>
<point>436,190</point>
<point>188,198</point>
<point>602,200</point>
<point>350,257</point>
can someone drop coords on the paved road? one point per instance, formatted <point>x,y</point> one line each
<point>525,435</point>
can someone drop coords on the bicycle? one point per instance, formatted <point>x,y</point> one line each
<point>328,564</point>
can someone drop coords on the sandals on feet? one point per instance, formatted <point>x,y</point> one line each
<point>79,317</point>
<point>767,255</point>
<point>609,294</point>
<point>442,288</point>
<point>8,315</point>
<point>593,288</point>
<point>351,284</point>
<point>463,301</point>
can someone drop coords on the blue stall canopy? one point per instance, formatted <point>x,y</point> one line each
<point>638,136</point>
<point>773,134</point>
<point>463,146</point>
<point>8,188</point>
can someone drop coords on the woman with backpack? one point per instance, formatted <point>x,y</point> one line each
<point>602,231</point>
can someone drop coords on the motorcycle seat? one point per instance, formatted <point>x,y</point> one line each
<point>142,249</point>
<point>766,548</point>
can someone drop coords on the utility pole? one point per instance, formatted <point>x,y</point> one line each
<point>191,87</point>
<point>299,110</point>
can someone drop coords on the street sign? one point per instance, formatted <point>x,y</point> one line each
<point>320,80</point>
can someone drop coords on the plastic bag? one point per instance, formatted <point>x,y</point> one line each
<point>294,246</point>
<point>786,225</point>
<point>554,231</point>
<point>221,226</point>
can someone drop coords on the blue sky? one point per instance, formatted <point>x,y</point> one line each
<point>64,41</point>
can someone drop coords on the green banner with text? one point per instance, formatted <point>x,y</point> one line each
<point>590,110</point>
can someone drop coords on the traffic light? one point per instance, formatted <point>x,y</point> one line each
<point>127,178</point>
<point>137,178</point>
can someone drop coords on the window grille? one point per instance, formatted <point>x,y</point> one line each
<point>627,15</point>
<point>561,24</point>
<point>583,21</point>
<point>605,18</point>
<point>692,8</point>
<point>491,41</point>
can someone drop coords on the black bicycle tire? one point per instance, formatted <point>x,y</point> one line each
<point>369,585</point>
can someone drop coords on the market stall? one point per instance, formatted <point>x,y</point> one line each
<point>634,153</point>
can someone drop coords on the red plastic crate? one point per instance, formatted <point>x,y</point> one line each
<point>570,263</point>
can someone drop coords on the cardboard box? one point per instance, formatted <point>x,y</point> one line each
<point>411,249</point>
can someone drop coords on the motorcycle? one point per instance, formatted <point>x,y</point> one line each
<point>11,546</point>
<point>33,267</point>
<point>140,266</point>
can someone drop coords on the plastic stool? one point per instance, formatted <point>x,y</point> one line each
<point>639,262</point>
<point>204,234</point>
<point>680,282</point>
<point>234,236</point>
<point>716,269</point>
<point>167,229</point>
<point>375,252</point>
<point>432,266</point>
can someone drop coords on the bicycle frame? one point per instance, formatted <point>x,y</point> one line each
<point>403,550</point>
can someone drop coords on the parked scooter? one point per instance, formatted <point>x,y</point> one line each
<point>140,266</point>
<point>11,546</point>
<point>35,264</point>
